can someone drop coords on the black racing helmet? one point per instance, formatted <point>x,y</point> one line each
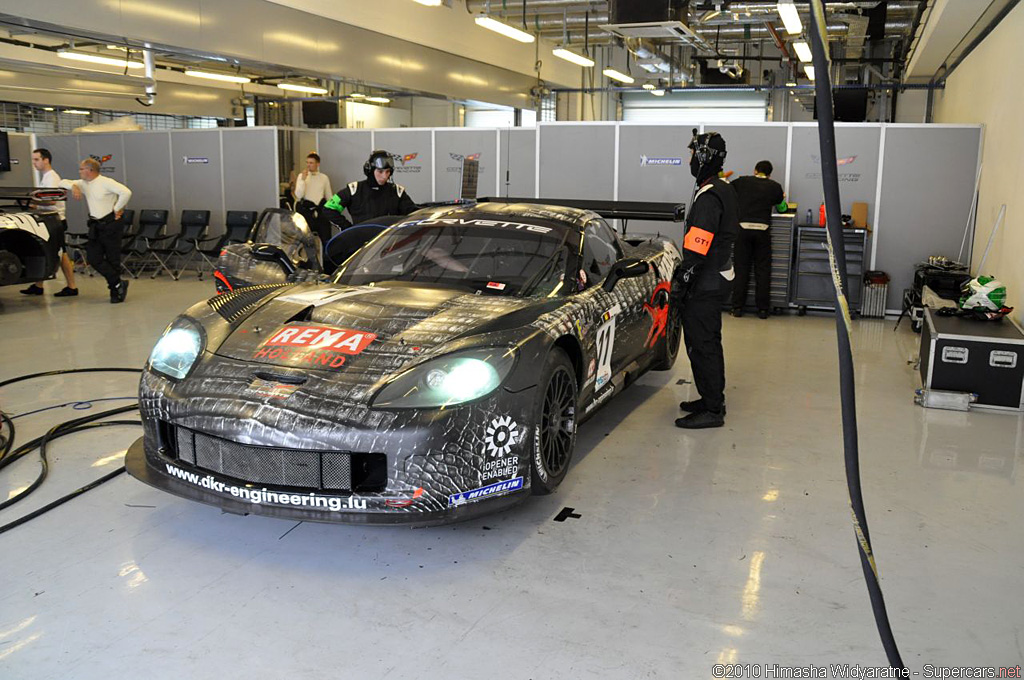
<point>378,160</point>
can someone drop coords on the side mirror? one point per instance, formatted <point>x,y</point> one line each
<point>271,253</point>
<point>627,268</point>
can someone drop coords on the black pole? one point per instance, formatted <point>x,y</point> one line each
<point>837,255</point>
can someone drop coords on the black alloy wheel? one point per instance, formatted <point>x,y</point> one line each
<point>556,425</point>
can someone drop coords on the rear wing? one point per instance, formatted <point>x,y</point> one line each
<point>613,210</point>
<point>23,196</point>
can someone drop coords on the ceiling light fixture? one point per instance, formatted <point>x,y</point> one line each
<point>790,17</point>
<point>378,100</point>
<point>648,86</point>
<point>76,112</point>
<point>97,59</point>
<point>792,84</point>
<point>809,70</point>
<point>47,108</point>
<point>616,75</point>
<point>569,55</point>
<point>302,88</point>
<point>429,3</point>
<point>803,50</point>
<point>658,93</point>
<point>503,28</point>
<point>217,76</point>
<point>357,95</point>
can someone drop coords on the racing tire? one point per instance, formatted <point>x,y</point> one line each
<point>554,436</point>
<point>10,268</point>
<point>668,349</point>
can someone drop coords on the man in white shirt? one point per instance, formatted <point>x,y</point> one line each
<point>107,199</point>
<point>312,189</point>
<point>49,179</point>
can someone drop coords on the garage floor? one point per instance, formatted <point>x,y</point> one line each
<point>690,549</point>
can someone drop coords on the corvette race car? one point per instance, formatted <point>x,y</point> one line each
<point>29,241</point>
<point>441,373</point>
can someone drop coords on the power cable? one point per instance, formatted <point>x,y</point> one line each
<point>837,259</point>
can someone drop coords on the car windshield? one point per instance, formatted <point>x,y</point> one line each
<point>290,233</point>
<point>491,259</point>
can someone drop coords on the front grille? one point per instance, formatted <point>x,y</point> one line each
<point>324,470</point>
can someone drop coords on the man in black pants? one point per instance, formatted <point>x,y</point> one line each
<point>757,195</point>
<point>698,288</point>
<point>106,198</point>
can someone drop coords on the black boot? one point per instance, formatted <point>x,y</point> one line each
<point>696,406</point>
<point>704,419</point>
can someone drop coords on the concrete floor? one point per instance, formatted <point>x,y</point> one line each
<point>722,546</point>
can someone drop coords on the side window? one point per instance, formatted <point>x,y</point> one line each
<point>600,251</point>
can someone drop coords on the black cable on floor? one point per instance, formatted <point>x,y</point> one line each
<point>837,258</point>
<point>8,457</point>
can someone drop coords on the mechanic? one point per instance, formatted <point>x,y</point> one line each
<point>376,195</point>
<point>698,288</point>
<point>49,179</point>
<point>757,194</point>
<point>106,199</point>
<point>312,189</point>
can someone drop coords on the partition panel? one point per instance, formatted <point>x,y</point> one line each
<point>654,165</point>
<point>196,163</point>
<point>857,156</point>
<point>928,181</point>
<point>250,180</point>
<point>451,146</point>
<point>414,162</point>
<point>577,161</point>
<point>518,162</point>
<point>342,154</point>
<point>148,157</point>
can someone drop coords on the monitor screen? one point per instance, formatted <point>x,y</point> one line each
<point>320,113</point>
<point>5,153</point>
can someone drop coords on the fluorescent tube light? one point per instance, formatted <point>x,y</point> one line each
<point>790,17</point>
<point>616,75</point>
<point>791,84</point>
<point>97,59</point>
<point>378,100</point>
<point>218,76</point>
<point>803,50</point>
<point>504,29</point>
<point>357,95</point>
<point>429,3</point>
<point>809,70</point>
<point>302,88</point>
<point>658,93</point>
<point>648,86</point>
<point>568,55</point>
<point>76,112</point>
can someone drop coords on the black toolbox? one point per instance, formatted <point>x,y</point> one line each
<point>983,357</point>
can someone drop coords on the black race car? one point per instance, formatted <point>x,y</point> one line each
<point>30,241</point>
<point>439,374</point>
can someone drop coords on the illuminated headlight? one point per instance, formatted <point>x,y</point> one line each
<point>177,349</point>
<point>449,380</point>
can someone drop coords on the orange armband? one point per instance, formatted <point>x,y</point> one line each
<point>698,240</point>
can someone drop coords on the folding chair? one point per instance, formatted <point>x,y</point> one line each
<point>139,250</point>
<point>194,224</point>
<point>238,225</point>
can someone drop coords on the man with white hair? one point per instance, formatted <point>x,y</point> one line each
<point>106,199</point>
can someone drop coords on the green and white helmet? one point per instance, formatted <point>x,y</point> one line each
<point>983,293</point>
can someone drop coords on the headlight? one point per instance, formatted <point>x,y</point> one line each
<point>177,349</point>
<point>448,380</point>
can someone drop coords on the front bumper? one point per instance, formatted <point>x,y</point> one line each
<point>241,498</point>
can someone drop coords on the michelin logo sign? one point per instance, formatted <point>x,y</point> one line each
<point>496,489</point>
<point>646,160</point>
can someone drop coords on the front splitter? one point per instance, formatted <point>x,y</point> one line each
<point>138,465</point>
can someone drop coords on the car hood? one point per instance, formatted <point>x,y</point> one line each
<point>372,330</point>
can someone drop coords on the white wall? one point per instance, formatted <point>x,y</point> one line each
<point>434,113</point>
<point>371,116</point>
<point>985,89</point>
<point>911,106</point>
